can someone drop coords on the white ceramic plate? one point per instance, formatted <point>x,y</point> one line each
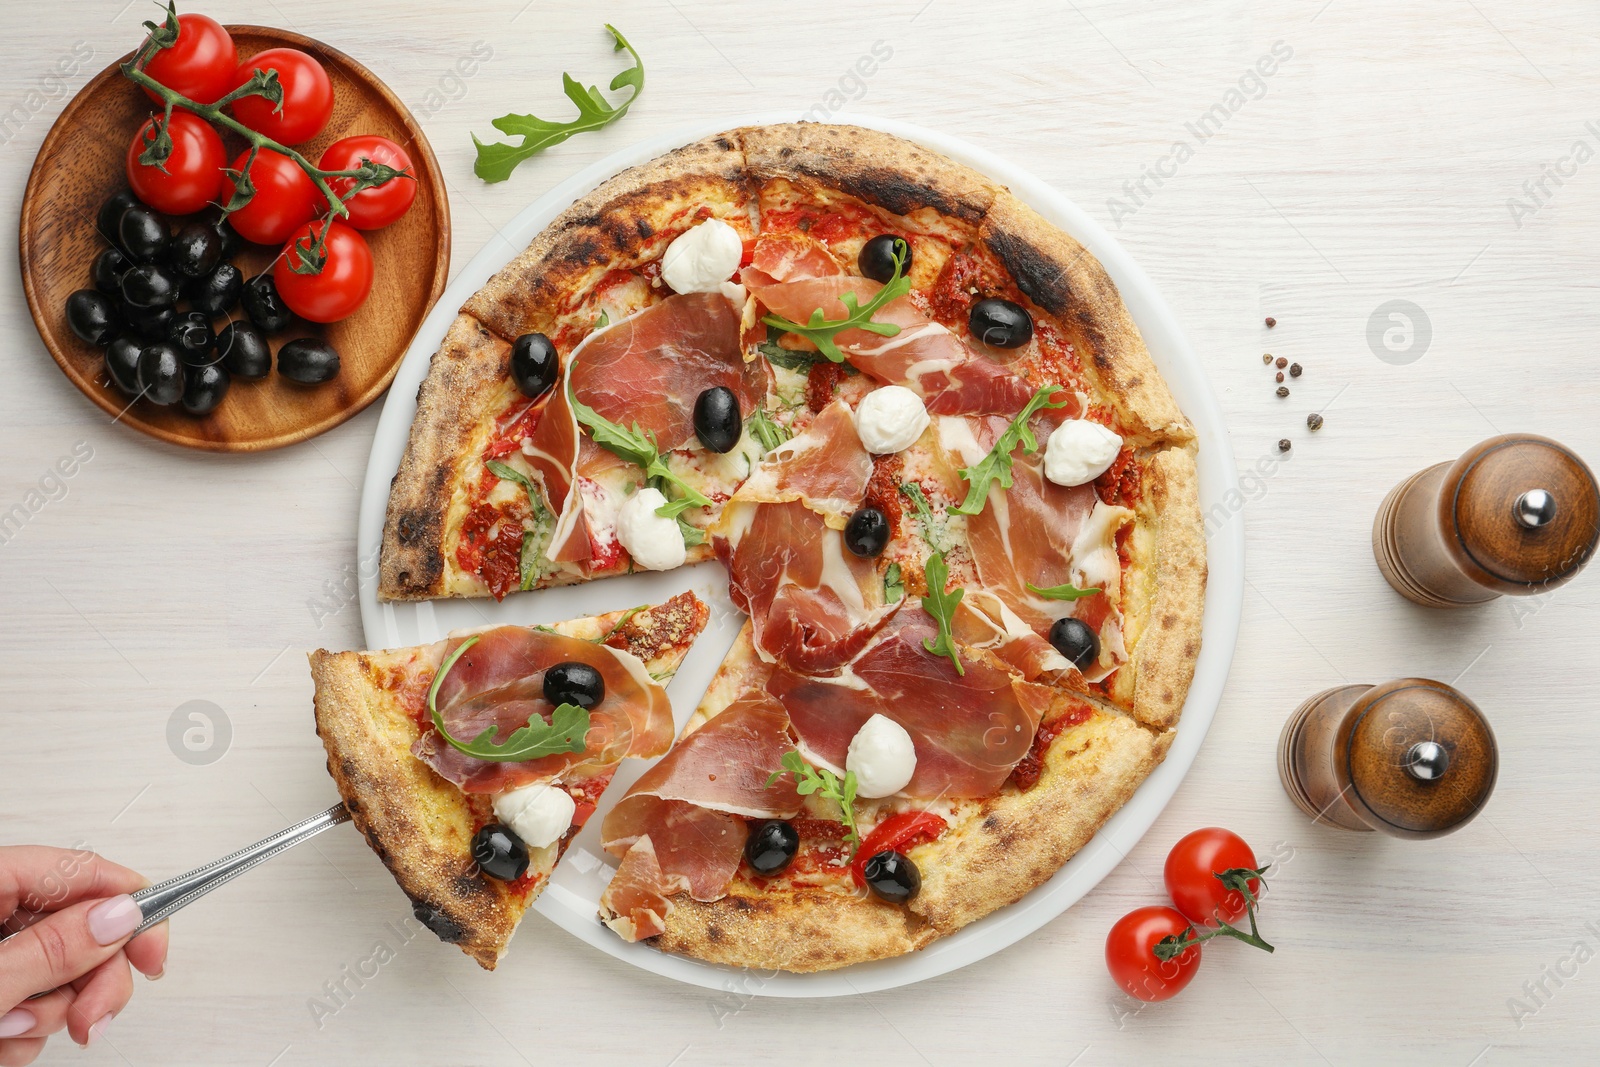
<point>574,891</point>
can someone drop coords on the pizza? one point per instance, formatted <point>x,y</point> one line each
<point>438,816</point>
<point>918,428</point>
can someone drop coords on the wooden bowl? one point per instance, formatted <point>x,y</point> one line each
<point>81,164</point>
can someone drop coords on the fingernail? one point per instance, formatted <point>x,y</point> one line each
<point>97,1031</point>
<point>112,920</point>
<point>16,1022</point>
<point>155,977</point>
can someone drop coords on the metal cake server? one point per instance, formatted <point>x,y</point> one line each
<point>161,900</point>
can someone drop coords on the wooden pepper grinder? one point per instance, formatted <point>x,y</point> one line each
<point>1408,758</point>
<point>1515,515</point>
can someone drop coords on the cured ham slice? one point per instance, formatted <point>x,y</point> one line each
<point>788,257</point>
<point>647,370</point>
<point>811,603</point>
<point>1041,534</point>
<point>499,682</point>
<point>681,827</point>
<point>825,468</point>
<point>969,729</point>
<point>924,356</point>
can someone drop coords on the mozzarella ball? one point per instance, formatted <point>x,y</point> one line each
<point>1079,450</point>
<point>890,419</point>
<point>882,756</point>
<point>701,259</point>
<point>539,813</point>
<point>654,541</point>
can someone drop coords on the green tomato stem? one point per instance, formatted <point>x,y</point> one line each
<point>214,114</point>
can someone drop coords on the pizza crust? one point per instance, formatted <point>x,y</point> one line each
<point>1062,277</point>
<point>418,823</point>
<point>466,385</point>
<point>626,221</point>
<point>1164,592</point>
<point>880,169</point>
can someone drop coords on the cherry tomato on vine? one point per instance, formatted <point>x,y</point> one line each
<point>192,177</point>
<point>1191,871</point>
<point>307,96</point>
<point>380,205</point>
<point>200,64</point>
<point>285,199</point>
<point>1131,957</point>
<point>345,279</point>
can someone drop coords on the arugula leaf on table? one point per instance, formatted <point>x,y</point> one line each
<point>996,466</point>
<point>809,779</point>
<point>820,331</point>
<point>565,732</point>
<point>1061,592</point>
<point>496,161</point>
<point>942,606</point>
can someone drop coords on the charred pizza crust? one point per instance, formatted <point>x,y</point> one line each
<point>418,823</point>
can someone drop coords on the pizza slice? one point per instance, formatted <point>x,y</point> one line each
<point>540,718</point>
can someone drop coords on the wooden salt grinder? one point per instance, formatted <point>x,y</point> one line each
<point>1515,515</point>
<point>1408,758</point>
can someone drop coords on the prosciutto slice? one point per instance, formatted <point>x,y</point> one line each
<point>681,827</point>
<point>499,682</point>
<point>824,467</point>
<point>647,369</point>
<point>924,356</point>
<point>811,604</point>
<point>788,257</point>
<point>969,729</point>
<point>1037,533</point>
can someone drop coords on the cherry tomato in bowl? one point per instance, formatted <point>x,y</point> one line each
<point>1191,870</point>
<point>285,198</point>
<point>340,287</point>
<point>191,176</point>
<point>307,96</point>
<point>380,205</point>
<point>1131,954</point>
<point>200,64</point>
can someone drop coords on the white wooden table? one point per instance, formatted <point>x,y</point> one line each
<point>1380,161</point>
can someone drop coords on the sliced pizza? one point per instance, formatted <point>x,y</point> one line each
<point>469,764</point>
<point>918,427</point>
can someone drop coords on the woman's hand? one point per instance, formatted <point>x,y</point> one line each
<point>75,918</point>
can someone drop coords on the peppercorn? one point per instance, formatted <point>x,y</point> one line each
<point>1266,357</point>
<point>1314,421</point>
<point>1295,370</point>
<point>1279,376</point>
<point>1271,322</point>
<point>1283,390</point>
<point>1284,444</point>
<point>1282,362</point>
